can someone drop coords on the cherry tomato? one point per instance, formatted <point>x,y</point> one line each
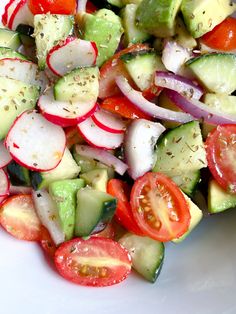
<point>152,92</point>
<point>223,36</point>
<point>93,262</point>
<point>90,7</point>
<point>108,232</point>
<point>123,214</point>
<point>18,217</point>
<point>112,68</point>
<point>221,155</point>
<point>122,106</point>
<point>47,243</point>
<point>53,6</point>
<point>159,207</point>
<point>72,136</point>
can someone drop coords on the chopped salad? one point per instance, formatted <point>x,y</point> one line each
<point>117,117</point>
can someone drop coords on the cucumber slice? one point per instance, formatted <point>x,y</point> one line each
<point>147,255</point>
<point>9,53</point>
<point>9,39</point>
<point>63,194</point>
<point>142,67</point>
<point>196,216</point>
<point>25,34</point>
<point>116,3</point>
<point>221,102</point>
<point>182,36</point>
<point>16,98</point>
<point>181,150</point>
<point>132,33</point>
<point>218,199</point>
<point>94,210</point>
<point>97,179</point>
<point>79,85</point>
<point>18,175</point>
<point>217,71</point>
<point>49,29</point>
<point>67,169</point>
<point>187,181</point>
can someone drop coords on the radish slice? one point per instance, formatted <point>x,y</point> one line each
<point>64,113</point>
<point>23,70</point>
<point>2,199</point>
<point>81,5</point>
<point>178,83</point>
<point>8,10</point>
<point>5,157</point>
<point>174,56</point>
<point>140,139</point>
<point>4,183</point>
<point>48,215</point>
<point>71,54</point>
<point>109,121</point>
<point>97,137</point>
<point>36,143</point>
<point>199,110</point>
<point>20,189</point>
<point>20,15</point>
<point>148,107</point>
<point>102,156</point>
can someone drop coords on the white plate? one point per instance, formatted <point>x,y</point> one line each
<point>198,277</point>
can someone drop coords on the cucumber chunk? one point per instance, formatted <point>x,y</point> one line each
<point>63,194</point>
<point>80,85</point>
<point>67,169</point>
<point>49,29</point>
<point>16,98</point>
<point>94,210</point>
<point>142,67</point>
<point>10,53</point>
<point>18,175</point>
<point>147,255</point>
<point>218,199</point>
<point>97,179</point>
<point>188,181</point>
<point>221,102</point>
<point>217,71</point>
<point>9,39</point>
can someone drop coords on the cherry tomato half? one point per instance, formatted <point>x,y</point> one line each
<point>93,262</point>
<point>221,155</point>
<point>123,214</point>
<point>52,6</point>
<point>18,217</point>
<point>223,36</point>
<point>47,243</point>
<point>159,207</point>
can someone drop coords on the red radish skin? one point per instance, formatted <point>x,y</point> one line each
<point>4,184</point>
<point>97,137</point>
<point>75,52</point>
<point>31,142</point>
<point>62,113</point>
<point>109,122</point>
<point>21,15</point>
<point>5,157</point>
<point>5,14</point>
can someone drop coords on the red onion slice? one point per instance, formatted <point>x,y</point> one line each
<point>20,189</point>
<point>141,137</point>
<point>199,110</point>
<point>179,84</point>
<point>102,156</point>
<point>148,107</point>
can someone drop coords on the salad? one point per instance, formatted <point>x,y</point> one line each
<point>117,119</point>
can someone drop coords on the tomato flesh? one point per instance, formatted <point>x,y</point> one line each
<point>123,214</point>
<point>72,136</point>
<point>18,217</point>
<point>159,207</point>
<point>221,156</point>
<point>52,6</point>
<point>93,262</point>
<point>47,243</point>
<point>223,36</point>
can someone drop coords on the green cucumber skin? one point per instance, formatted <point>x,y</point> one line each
<point>18,175</point>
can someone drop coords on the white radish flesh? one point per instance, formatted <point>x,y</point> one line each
<point>109,121</point>
<point>20,15</point>
<point>48,215</point>
<point>71,54</point>
<point>97,137</point>
<point>36,143</point>
<point>4,183</point>
<point>5,157</point>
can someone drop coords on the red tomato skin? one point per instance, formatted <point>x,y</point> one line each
<point>216,143</point>
<point>178,228</point>
<point>53,6</point>
<point>123,214</point>
<point>21,230</point>
<point>223,36</point>
<point>47,243</point>
<point>93,247</point>
<point>114,67</point>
